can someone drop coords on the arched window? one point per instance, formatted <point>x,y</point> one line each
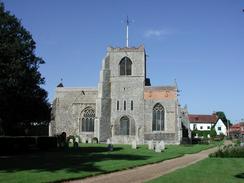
<point>124,125</point>
<point>125,66</point>
<point>87,121</point>
<point>158,118</point>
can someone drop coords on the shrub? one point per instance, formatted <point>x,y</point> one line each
<point>213,133</point>
<point>47,142</point>
<point>16,144</point>
<point>229,151</point>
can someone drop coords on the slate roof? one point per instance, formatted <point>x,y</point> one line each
<point>199,118</point>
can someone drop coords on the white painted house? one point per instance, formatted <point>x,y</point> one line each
<point>202,122</point>
<point>220,127</point>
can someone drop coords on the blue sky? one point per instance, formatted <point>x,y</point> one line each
<point>198,42</point>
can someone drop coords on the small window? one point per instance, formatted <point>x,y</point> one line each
<point>208,127</point>
<point>131,105</point>
<point>201,127</point>
<point>219,128</point>
<point>117,105</point>
<point>124,105</point>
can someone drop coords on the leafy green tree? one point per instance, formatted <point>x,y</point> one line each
<point>22,100</point>
<point>222,116</point>
<point>213,132</point>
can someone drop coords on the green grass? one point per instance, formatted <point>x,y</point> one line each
<point>214,170</point>
<point>88,160</point>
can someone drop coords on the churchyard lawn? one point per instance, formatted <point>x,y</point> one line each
<point>87,160</point>
<point>214,170</point>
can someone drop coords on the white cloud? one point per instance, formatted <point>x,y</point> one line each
<point>156,33</point>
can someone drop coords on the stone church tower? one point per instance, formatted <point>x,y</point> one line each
<point>123,107</point>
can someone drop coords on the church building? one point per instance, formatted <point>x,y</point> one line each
<point>123,107</point>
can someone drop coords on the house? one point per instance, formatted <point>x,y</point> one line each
<point>220,127</point>
<point>202,122</point>
<point>237,130</point>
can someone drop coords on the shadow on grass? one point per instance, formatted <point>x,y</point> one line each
<point>240,176</point>
<point>72,160</point>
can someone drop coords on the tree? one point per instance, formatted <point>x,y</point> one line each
<point>221,115</point>
<point>22,100</point>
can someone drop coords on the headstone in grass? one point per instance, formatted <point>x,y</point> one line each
<point>108,141</point>
<point>242,144</point>
<point>71,141</point>
<point>133,144</point>
<point>77,139</point>
<point>162,145</point>
<point>209,136</point>
<point>89,140</point>
<point>83,140</point>
<point>196,135</point>
<point>157,147</point>
<point>150,145</point>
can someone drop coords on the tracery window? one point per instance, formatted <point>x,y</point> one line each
<point>158,118</point>
<point>87,121</point>
<point>125,66</point>
<point>124,125</point>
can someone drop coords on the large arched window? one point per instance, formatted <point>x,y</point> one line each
<point>124,125</point>
<point>125,66</point>
<point>87,120</point>
<point>158,118</point>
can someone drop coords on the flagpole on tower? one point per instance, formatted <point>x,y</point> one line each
<point>127,32</point>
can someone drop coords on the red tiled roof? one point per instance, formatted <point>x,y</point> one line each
<point>199,118</point>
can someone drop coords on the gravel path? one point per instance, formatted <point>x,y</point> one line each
<point>148,172</point>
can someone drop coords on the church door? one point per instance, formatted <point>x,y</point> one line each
<point>124,126</point>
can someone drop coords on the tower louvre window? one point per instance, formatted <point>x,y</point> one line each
<point>125,66</point>
<point>131,105</point>
<point>124,105</point>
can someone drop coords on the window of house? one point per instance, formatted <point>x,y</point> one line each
<point>201,127</point>
<point>125,66</point>
<point>131,105</point>
<point>87,120</point>
<point>158,118</point>
<point>219,128</point>
<point>208,127</point>
<point>124,105</point>
<point>117,105</point>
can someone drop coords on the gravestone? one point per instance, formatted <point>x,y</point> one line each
<point>209,136</point>
<point>150,145</point>
<point>196,136</point>
<point>89,140</point>
<point>162,145</point>
<point>83,140</point>
<point>157,148</point>
<point>77,139</point>
<point>108,141</point>
<point>133,144</point>
<point>71,141</point>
